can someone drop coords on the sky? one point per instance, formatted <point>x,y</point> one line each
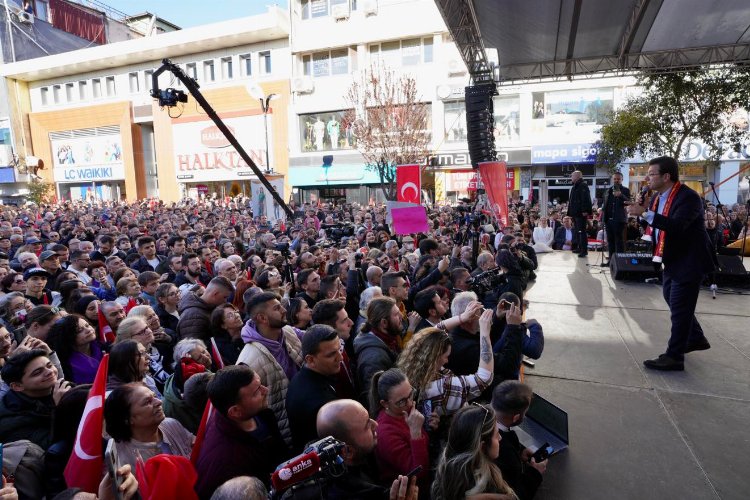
<point>188,13</point>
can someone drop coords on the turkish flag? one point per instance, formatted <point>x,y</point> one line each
<point>216,355</point>
<point>408,184</point>
<point>85,465</point>
<point>201,434</point>
<point>493,177</point>
<point>106,335</point>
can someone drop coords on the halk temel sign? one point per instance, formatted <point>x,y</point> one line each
<point>203,154</point>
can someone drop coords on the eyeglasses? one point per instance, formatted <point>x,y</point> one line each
<point>403,402</point>
<point>143,354</point>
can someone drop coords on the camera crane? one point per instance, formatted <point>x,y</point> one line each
<point>170,97</point>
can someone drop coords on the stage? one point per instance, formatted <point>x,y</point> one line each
<point>636,433</point>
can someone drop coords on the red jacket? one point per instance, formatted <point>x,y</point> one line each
<point>398,453</point>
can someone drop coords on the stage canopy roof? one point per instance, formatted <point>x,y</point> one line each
<point>540,39</point>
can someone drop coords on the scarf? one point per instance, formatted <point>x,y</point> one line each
<point>276,348</point>
<point>659,246</point>
<point>389,340</point>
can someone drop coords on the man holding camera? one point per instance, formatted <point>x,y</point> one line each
<point>614,215</point>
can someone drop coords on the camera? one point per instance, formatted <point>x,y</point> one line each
<point>487,281</point>
<point>337,231</point>
<point>282,248</point>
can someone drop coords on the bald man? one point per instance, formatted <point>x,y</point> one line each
<point>348,421</point>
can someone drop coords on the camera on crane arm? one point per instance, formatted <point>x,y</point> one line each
<point>170,97</point>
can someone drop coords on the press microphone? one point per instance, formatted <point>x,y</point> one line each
<point>644,192</point>
<point>296,470</point>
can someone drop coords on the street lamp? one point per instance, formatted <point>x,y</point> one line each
<point>257,93</point>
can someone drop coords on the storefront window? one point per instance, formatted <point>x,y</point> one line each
<point>455,121</point>
<point>507,123</point>
<point>325,132</point>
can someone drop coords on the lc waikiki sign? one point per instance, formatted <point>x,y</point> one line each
<point>96,158</point>
<point>203,154</point>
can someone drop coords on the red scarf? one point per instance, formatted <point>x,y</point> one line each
<point>659,245</point>
<point>389,340</point>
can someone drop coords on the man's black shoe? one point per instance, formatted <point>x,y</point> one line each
<point>583,255</point>
<point>701,345</point>
<point>664,363</point>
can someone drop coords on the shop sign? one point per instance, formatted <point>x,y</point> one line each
<point>203,154</point>
<point>89,174</point>
<point>563,153</point>
<point>93,158</point>
<point>458,159</point>
<point>202,189</point>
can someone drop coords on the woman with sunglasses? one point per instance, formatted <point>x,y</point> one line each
<point>137,328</point>
<point>403,444</point>
<point>75,342</point>
<point>13,282</point>
<point>14,307</point>
<point>467,466</point>
<point>39,321</point>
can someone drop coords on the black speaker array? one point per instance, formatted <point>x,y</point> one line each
<point>480,123</point>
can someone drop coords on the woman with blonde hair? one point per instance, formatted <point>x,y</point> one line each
<point>467,468</point>
<point>543,236</point>
<point>423,362</point>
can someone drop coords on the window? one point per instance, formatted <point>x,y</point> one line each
<point>134,82</point>
<point>325,132</point>
<point>209,75</point>
<point>41,8</point>
<point>227,72</point>
<point>314,8</point>
<point>246,61</point>
<point>111,86</point>
<point>339,62</point>
<point>147,75</point>
<point>321,64</point>
<point>335,62</point>
<point>70,92</point>
<point>45,96</point>
<point>409,52</point>
<point>455,121</point>
<point>83,89</point>
<point>265,62</point>
<point>96,87</point>
<point>56,91</point>
<point>191,69</point>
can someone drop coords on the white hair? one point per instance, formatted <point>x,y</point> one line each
<point>461,301</point>
<point>184,347</point>
<point>367,295</point>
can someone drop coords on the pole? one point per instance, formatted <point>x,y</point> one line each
<point>265,128</point>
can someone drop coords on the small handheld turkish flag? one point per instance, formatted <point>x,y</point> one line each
<point>84,469</point>
<point>408,183</point>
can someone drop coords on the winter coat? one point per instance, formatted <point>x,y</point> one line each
<point>262,362</point>
<point>195,318</point>
<point>372,355</point>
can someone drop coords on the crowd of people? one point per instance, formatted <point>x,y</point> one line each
<point>406,349</point>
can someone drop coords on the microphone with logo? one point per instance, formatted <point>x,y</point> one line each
<point>321,458</point>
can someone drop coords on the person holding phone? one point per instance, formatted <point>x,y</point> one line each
<point>522,471</point>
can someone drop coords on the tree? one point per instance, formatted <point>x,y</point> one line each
<point>389,122</point>
<point>701,104</point>
<point>38,191</point>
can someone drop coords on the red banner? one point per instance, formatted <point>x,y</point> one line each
<point>408,184</point>
<point>494,179</point>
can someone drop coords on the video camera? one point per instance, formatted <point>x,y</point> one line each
<point>321,460</point>
<point>487,281</point>
<point>337,231</point>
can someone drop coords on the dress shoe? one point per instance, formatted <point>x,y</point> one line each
<point>664,363</point>
<point>583,255</point>
<point>700,345</point>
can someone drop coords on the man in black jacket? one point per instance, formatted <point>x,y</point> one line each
<point>149,260</point>
<point>511,400</point>
<point>614,215</point>
<point>314,385</point>
<point>579,208</point>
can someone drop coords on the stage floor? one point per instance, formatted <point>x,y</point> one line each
<point>638,434</point>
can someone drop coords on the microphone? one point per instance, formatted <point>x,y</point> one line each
<point>644,192</point>
<point>711,183</point>
<point>296,470</point>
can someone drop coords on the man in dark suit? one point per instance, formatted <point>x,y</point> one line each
<point>579,208</point>
<point>614,215</point>
<point>565,235</point>
<point>681,244</point>
<point>511,400</point>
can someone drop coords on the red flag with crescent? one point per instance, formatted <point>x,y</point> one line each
<point>84,469</point>
<point>493,177</point>
<point>408,183</point>
<point>106,334</point>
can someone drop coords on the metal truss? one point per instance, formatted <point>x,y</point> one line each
<point>461,20</point>
<point>666,60</point>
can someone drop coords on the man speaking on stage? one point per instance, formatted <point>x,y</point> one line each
<point>681,245</point>
<point>614,216</point>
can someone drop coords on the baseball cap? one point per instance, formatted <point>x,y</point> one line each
<point>46,255</point>
<point>35,271</point>
<point>32,241</point>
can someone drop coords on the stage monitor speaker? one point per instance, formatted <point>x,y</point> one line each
<point>731,271</point>
<point>632,266</point>
<point>480,123</point>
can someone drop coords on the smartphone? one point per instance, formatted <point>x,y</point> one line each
<point>110,457</point>
<point>542,453</point>
<point>505,305</point>
<point>416,470</point>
